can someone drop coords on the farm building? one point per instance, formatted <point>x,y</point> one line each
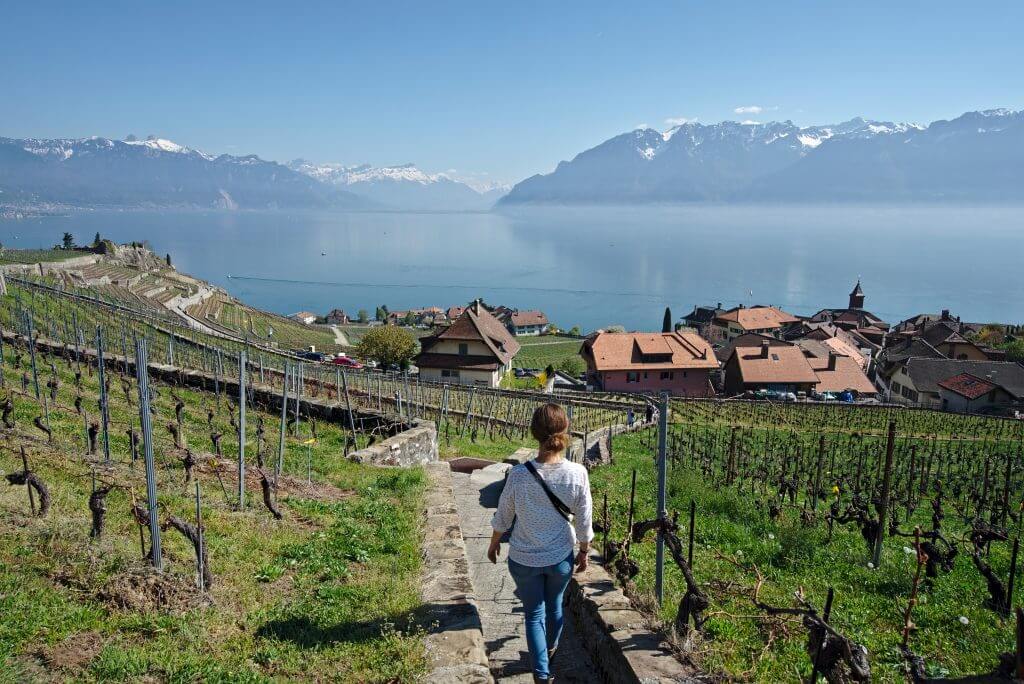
<point>525,322</point>
<point>304,317</point>
<point>476,349</point>
<point>916,381</point>
<point>677,362</point>
<point>966,393</point>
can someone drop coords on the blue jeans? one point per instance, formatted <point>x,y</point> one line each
<point>540,590</point>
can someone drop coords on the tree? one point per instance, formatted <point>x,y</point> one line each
<point>168,259</point>
<point>387,345</point>
<point>615,329</point>
<point>1014,350</point>
<point>410,318</point>
<point>68,241</point>
<point>575,331</point>
<point>572,365</point>
<point>381,314</point>
<point>363,316</point>
<point>666,324</point>
<point>96,240</point>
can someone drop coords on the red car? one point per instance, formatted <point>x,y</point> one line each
<point>347,362</point>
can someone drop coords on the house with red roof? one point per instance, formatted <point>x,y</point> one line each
<point>522,323</point>
<point>966,393</point>
<point>476,349</point>
<point>764,320</point>
<point>677,362</point>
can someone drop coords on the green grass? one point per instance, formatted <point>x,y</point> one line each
<point>545,350</point>
<point>329,592</point>
<point>740,641</point>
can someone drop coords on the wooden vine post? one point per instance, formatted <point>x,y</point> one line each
<point>883,506</point>
<point>241,429</point>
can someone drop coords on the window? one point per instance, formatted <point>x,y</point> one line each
<point>463,348</point>
<point>667,375</point>
<point>449,373</point>
<point>632,376</point>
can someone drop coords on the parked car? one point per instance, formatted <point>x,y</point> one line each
<point>312,356</point>
<point>347,362</point>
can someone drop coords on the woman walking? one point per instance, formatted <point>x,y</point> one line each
<point>547,505</point>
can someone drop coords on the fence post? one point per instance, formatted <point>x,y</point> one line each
<point>348,404</point>
<point>241,429</point>
<point>104,410</point>
<point>284,421</point>
<point>145,420</point>
<point>659,577</point>
<point>883,511</point>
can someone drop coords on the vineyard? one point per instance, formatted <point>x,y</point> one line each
<point>894,532</point>
<point>309,570</point>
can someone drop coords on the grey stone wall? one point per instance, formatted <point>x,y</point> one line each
<point>414,446</point>
<point>454,643</point>
<point>617,636</point>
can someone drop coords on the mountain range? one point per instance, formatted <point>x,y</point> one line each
<point>158,173</point>
<point>978,156</point>
<point>401,187</point>
<point>97,172</point>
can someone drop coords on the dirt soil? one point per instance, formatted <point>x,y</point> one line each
<point>146,590</point>
<point>73,654</point>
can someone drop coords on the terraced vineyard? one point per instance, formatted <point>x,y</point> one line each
<point>793,500</point>
<point>316,580</point>
<point>229,315</point>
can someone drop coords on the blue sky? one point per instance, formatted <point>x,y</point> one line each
<point>491,90</point>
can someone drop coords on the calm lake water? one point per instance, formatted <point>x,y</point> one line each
<point>589,267</point>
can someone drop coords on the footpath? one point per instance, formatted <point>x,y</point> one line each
<point>501,613</point>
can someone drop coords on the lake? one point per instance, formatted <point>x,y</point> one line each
<point>590,267</point>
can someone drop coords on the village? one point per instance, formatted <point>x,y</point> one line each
<point>847,354</point>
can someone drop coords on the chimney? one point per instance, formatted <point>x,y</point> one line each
<point>945,314</point>
<point>476,307</point>
<point>764,349</point>
<point>718,305</point>
<point>832,360</point>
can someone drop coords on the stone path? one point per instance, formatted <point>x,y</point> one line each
<point>501,613</point>
<point>339,336</point>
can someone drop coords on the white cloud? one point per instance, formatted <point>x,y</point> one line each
<point>749,122</point>
<point>749,109</point>
<point>640,127</point>
<point>679,120</point>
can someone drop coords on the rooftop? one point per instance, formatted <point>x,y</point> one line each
<point>650,351</point>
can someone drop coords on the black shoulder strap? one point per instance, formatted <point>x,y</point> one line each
<point>562,509</point>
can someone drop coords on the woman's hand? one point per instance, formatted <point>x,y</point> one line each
<point>582,559</point>
<point>494,550</point>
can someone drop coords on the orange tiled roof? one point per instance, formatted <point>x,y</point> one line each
<point>758,317</point>
<point>846,376</point>
<point>521,318</point>
<point>783,365</point>
<point>650,351</point>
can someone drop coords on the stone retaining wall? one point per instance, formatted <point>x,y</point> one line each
<point>455,641</point>
<point>616,635</point>
<point>414,446</point>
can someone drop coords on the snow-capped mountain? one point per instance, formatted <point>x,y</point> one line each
<point>974,157</point>
<point>400,187</point>
<point>154,172</point>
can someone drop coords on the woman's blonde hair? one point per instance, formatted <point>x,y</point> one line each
<point>550,427</point>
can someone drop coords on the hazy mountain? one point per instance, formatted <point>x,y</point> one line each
<point>154,172</point>
<point>974,157</point>
<point>400,187</point>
